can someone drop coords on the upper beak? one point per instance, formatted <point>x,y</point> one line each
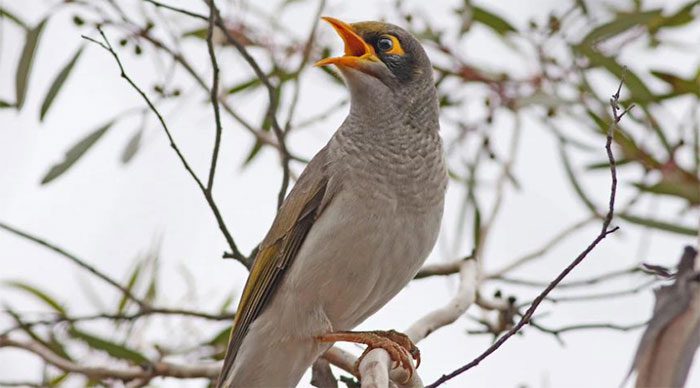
<point>357,52</point>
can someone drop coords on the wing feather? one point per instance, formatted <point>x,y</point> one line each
<point>278,250</point>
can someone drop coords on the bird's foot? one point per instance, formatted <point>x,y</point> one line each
<point>400,348</point>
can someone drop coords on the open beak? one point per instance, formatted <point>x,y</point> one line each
<point>358,54</point>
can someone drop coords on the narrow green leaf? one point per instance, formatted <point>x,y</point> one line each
<point>58,83</point>
<point>687,190</point>
<point>623,22</point>
<point>253,152</point>
<point>605,164</point>
<point>132,147</point>
<point>52,344</point>
<point>129,286</point>
<point>6,104</point>
<point>37,293</point>
<point>680,18</point>
<point>640,92</point>
<point>251,83</point>
<point>660,225</point>
<point>200,33</point>
<point>678,85</point>
<point>491,20</point>
<point>477,227</point>
<point>221,338</point>
<point>10,16</point>
<point>26,61</point>
<point>58,380</point>
<point>113,349</point>
<point>75,153</point>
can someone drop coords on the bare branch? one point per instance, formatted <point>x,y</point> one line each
<point>465,296</point>
<point>272,107</point>
<point>207,195</point>
<point>159,368</point>
<point>75,259</point>
<point>214,98</point>
<point>605,231</point>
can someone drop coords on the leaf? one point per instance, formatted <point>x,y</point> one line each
<point>53,343</point>
<point>605,164</point>
<point>113,349</point>
<point>200,33</point>
<point>39,294</point>
<point>477,227</point>
<point>689,191</point>
<point>253,152</point>
<point>58,380</point>
<point>660,225</point>
<point>6,104</point>
<point>10,16</point>
<point>132,146</point>
<point>129,286</point>
<point>623,22</point>
<point>679,85</point>
<point>680,18</point>
<point>26,61</point>
<point>640,92</point>
<point>58,83</point>
<point>491,20</point>
<point>251,83</point>
<point>630,150</point>
<point>75,153</point>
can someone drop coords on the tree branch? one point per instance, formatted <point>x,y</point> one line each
<point>604,232</point>
<point>78,261</point>
<point>207,195</point>
<point>156,369</point>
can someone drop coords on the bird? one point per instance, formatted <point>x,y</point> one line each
<point>360,221</point>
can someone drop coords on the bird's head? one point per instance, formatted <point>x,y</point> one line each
<point>381,60</point>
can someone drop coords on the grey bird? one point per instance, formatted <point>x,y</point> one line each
<point>358,224</point>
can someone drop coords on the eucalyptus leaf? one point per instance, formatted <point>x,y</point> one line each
<point>112,348</point>
<point>492,21</point>
<point>37,293</point>
<point>75,153</point>
<point>26,62</point>
<point>58,83</point>
<point>658,224</point>
<point>132,146</point>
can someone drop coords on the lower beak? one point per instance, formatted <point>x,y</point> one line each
<point>358,53</point>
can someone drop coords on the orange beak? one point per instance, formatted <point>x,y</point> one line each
<point>357,51</point>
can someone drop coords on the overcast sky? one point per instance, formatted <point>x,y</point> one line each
<point>110,214</point>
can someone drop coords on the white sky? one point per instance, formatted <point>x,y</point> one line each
<point>109,214</point>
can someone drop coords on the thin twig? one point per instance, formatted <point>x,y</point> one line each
<point>604,232</point>
<point>272,107</point>
<point>176,9</point>
<point>214,98</point>
<point>121,317</point>
<point>210,200</point>
<point>160,368</point>
<point>306,54</point>
<point>78,261</point>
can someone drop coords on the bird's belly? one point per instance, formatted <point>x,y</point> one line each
<point>358,255</point>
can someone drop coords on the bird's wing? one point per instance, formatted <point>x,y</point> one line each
<point>294,219</point>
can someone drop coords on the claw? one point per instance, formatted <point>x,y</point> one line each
<point>400,348</point>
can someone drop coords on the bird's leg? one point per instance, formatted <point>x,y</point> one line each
<point>400,348</point>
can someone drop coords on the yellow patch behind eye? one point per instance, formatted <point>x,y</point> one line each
<point>396,49</point>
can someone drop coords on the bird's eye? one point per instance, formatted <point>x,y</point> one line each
<point>385,44</point>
